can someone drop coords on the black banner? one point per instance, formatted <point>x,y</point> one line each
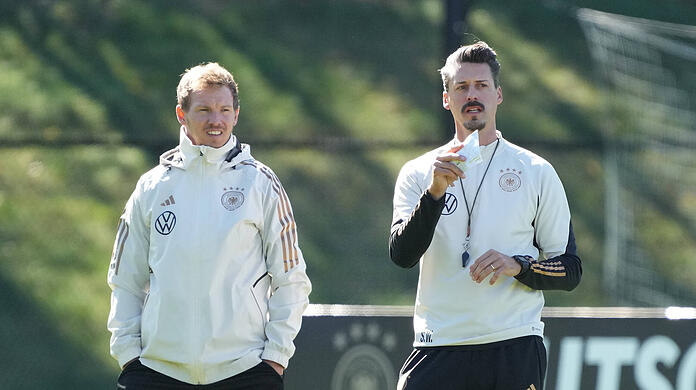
<point>365,350</point>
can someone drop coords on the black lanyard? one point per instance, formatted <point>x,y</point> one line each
<point>469,211</point>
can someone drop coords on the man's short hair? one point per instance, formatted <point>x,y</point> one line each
<point>478,53</point>
<point>203,76</point>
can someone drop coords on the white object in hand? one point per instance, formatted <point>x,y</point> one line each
<point>471,151</point>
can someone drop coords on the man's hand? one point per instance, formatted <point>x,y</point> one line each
<point>128,363</point>
<point>277,367</point>
<point>445,172</point>
<point>496,263</point>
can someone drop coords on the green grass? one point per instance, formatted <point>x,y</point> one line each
<point>58,214</point>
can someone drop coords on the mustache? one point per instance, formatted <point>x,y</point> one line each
<point>473,103</point>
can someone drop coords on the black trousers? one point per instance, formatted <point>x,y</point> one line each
<point>136,376</point>
<point>516,364</point>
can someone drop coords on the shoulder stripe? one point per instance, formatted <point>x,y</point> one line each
<point>288,233</point>
<point>269,175</point>
<point>287,220</point>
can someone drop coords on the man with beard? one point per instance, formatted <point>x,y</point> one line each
<point>488,241</point>
<point>208,281</point>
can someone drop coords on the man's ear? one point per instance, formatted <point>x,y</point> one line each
<point>236,116</point>
<point>180,114</point>
<point>500,95</point>
<point>445,100</point>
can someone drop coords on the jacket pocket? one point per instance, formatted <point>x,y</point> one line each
<point>144,318</point>
<point>261,291</point>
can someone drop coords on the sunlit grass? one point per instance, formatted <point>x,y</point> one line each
<point>37,97</point>
<point>56,243</point>
<point>670,244</point>
<point>540,85</point>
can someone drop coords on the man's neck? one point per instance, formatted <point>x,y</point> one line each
<point>486,136</point>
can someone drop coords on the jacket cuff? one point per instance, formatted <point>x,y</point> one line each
<point>275,356</point>
<point>436,203</point>
<point>127,355</point>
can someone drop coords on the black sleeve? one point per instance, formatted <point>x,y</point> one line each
<point>410,239</point>
<point>561,272</point>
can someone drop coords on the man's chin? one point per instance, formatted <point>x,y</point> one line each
<point>474,125</point>
<point>217,142</point>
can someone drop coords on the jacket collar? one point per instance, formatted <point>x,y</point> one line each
<point>186,153</point>
<point>454,142</point>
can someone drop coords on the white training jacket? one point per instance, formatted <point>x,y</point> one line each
<point>206,274</point>
<point>521,210</point>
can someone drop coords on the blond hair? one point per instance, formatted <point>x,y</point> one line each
<point>206,75</point>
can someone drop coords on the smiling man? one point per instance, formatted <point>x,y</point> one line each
<point>208,280</point>
<point>488,240</point>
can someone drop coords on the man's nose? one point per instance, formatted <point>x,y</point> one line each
<point>215,118</point>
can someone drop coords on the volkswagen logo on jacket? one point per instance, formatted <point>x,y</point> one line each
<point>450,204</point>
<point>165,223</point>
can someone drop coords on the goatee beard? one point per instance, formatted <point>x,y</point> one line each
<point>474,125</point>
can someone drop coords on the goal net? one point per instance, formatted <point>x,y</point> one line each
<point>648,70</point>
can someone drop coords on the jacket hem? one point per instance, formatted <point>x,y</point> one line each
<point>127,355</point>
<point>276,356</point>
<point>532,329</point>
<point>211,375</point>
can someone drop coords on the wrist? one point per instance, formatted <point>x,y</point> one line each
<point>435,192</point>
<point>525,263</point>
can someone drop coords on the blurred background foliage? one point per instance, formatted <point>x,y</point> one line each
<point>335,96</point>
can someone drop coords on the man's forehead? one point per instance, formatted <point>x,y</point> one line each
<point>468,71</point>
<point>211,93</point>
